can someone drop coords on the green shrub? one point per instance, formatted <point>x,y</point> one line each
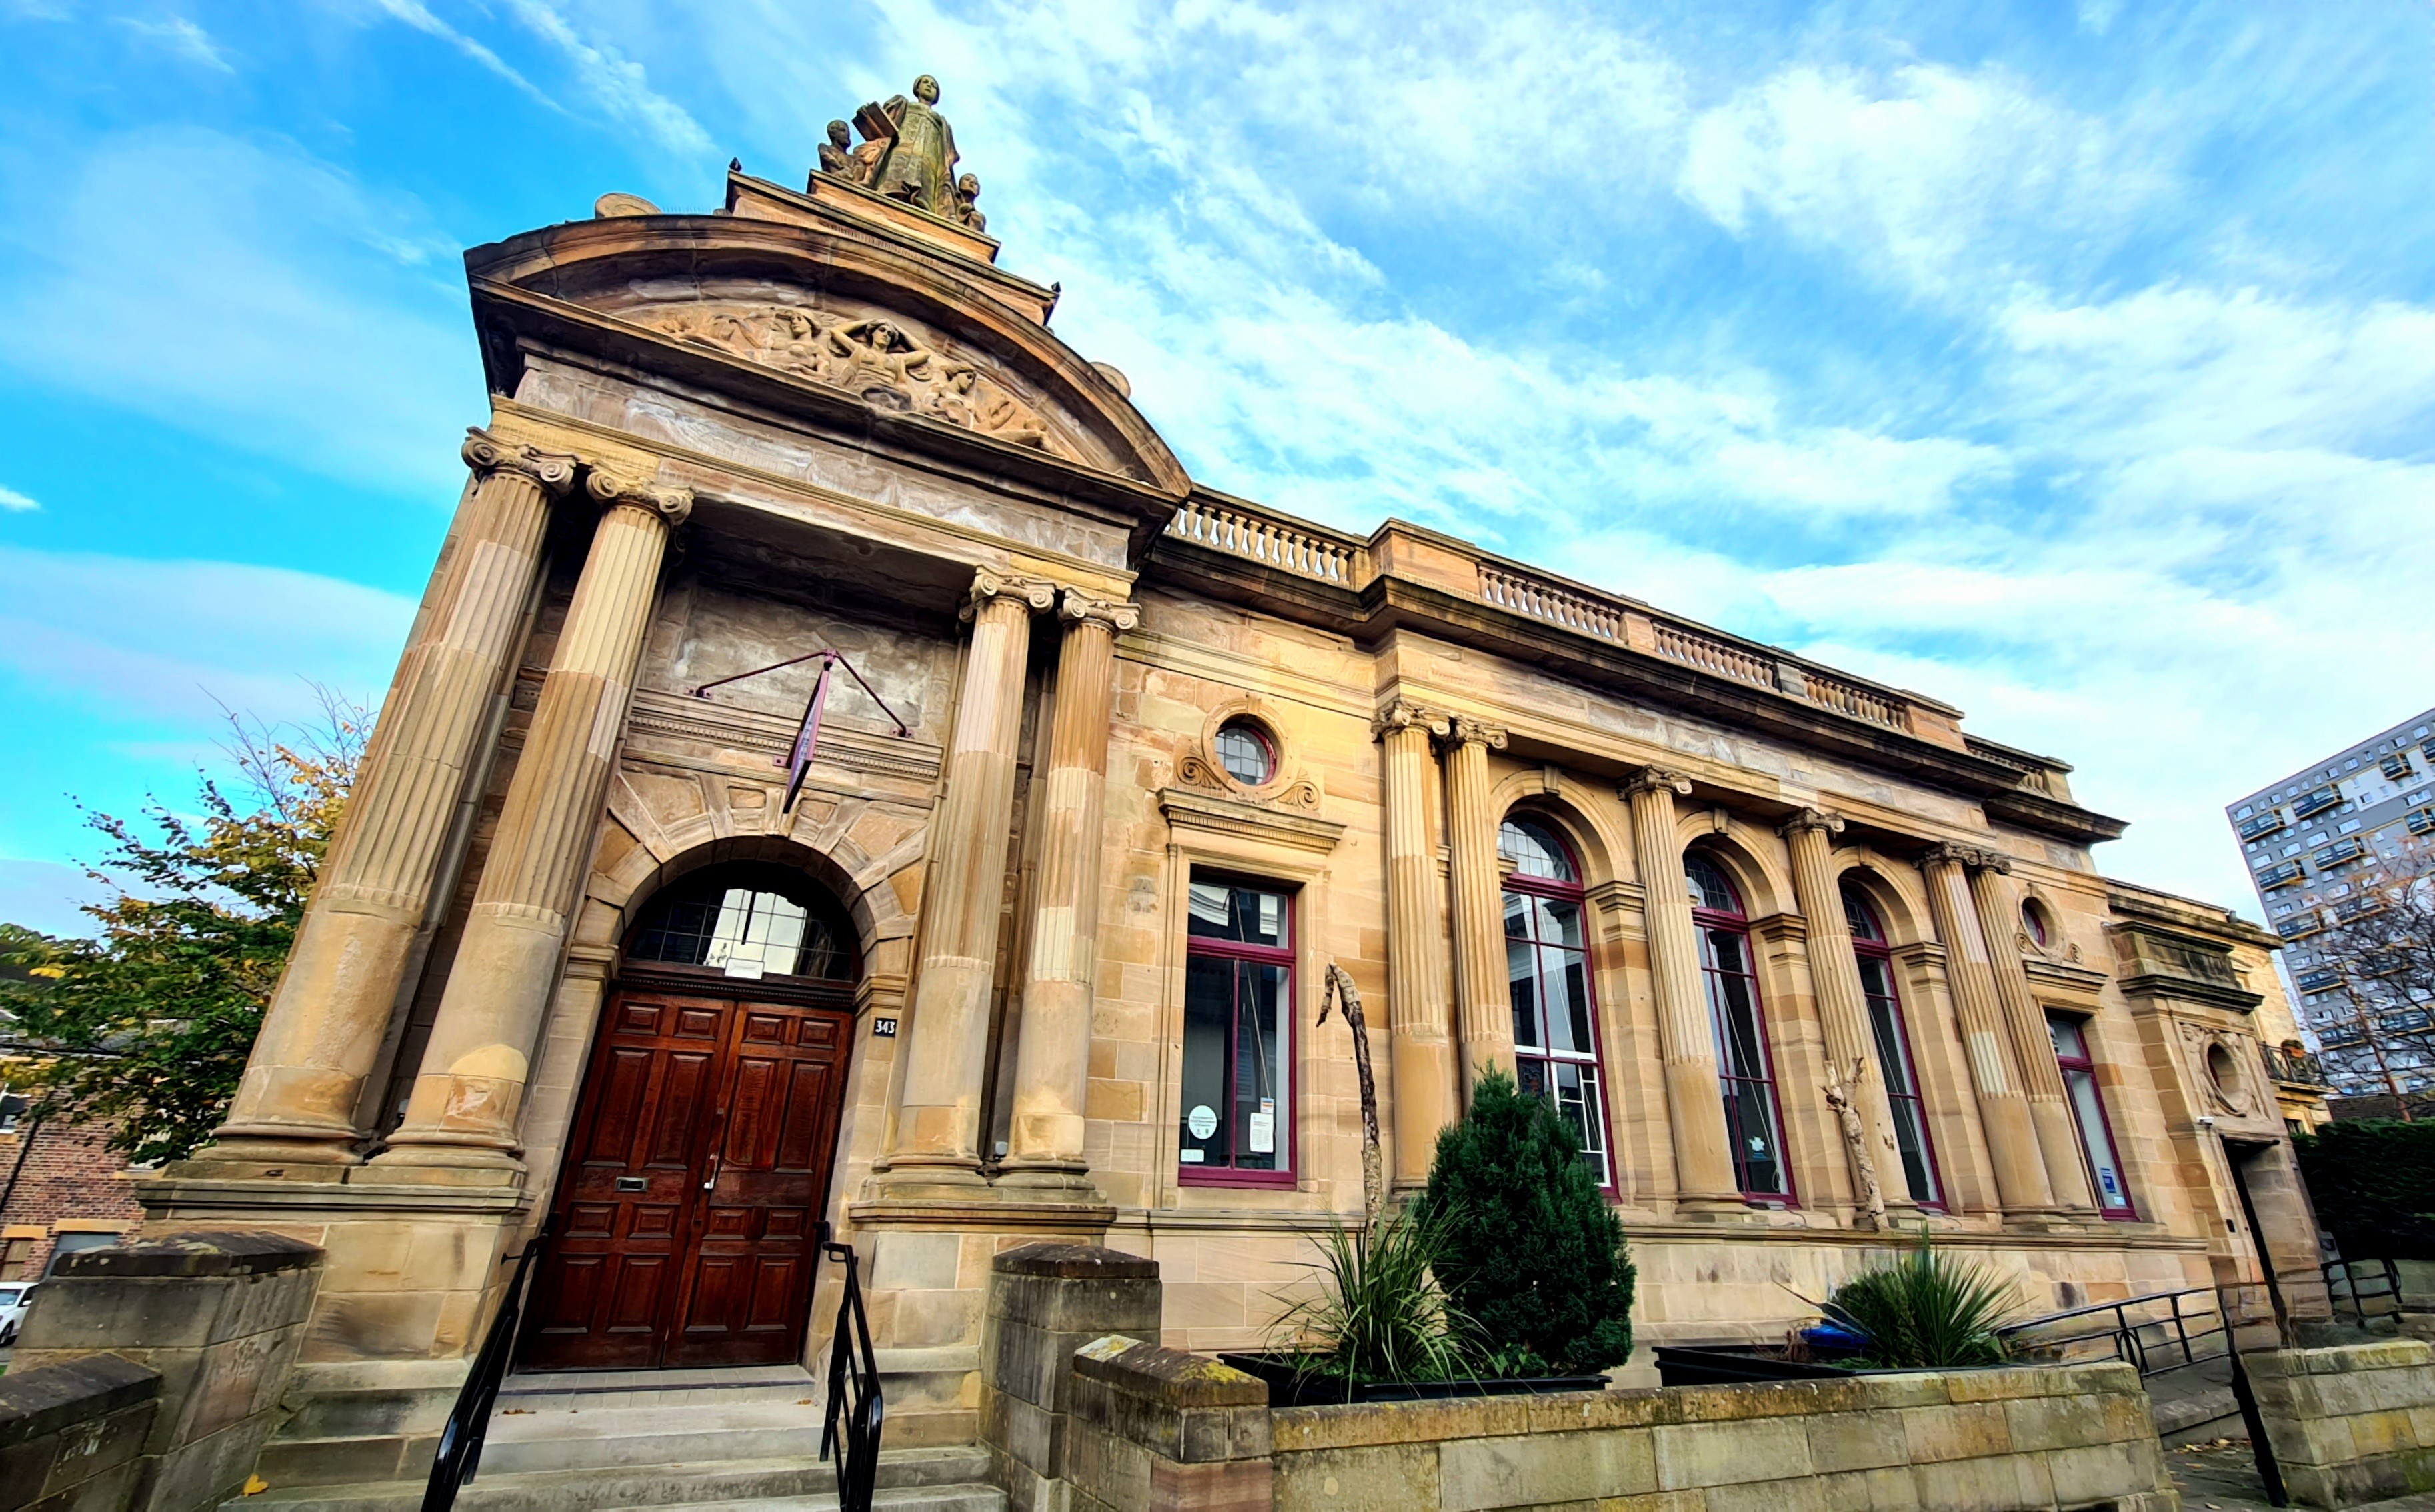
<point>2373,1182</point>
<point>1380,1314</point>
<point>1532,1253</point>
<point>1927,1311</point>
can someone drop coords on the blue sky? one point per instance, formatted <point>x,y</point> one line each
<point>2074,365</point>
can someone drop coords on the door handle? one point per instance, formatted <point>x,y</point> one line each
<point>711,1179</point>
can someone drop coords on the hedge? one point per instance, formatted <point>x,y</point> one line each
<point>2374,1185</point>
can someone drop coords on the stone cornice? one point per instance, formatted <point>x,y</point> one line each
<point>615,490</point>
<point>1080,608</point>
<point>487,454</point>
<point>1186,809</point>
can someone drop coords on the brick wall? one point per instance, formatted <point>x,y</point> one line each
<point>66,1181</point>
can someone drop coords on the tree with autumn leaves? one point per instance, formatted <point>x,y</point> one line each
<point>147,1023</point>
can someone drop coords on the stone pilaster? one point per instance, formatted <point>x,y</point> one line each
<point>2000,915</point>
<point>469,1094</point>
<point>323,1029</point>
<point>1423,1055</point>
<point>1694,1108</point>
<point>935,1135</point>
<point>2011,1139</point>
<point>1835,975</point>
<point>1052,1065</point>
<point>1484,1001</point>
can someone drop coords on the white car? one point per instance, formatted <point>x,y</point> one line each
<point>15,1296</point>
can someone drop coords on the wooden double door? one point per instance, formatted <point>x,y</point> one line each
<point>688,1210</point>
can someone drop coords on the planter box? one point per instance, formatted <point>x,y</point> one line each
<point>1286,1389</point>
<point>1723,1366</point>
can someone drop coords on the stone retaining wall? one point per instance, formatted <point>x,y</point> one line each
<point>215,1320</point>
<point>72,1435</point>
<point>2350,1424</point>
<point>1993,1439</point>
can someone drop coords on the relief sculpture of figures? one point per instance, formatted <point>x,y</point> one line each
<point>875,359</point>
<point>909,153</point>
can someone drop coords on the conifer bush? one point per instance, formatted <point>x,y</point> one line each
<point>1529,1249</point>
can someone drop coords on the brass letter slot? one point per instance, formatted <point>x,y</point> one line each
<point>629,1183</point>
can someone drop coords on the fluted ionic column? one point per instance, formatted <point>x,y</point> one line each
<point>1483,996</point>
<point>2032,1045</point>
<point>1695,1106</point>
<point>469,1091</point>
<point>326,1019</point>
<point>1416,975</point>
<point>936,1134</point>
<point>1052,1065</point>
<point>1834,972</point>
<point>2011,1139</point>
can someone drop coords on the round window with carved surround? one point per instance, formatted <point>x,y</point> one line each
<point>2033,919</point>
<point>1247,751</point>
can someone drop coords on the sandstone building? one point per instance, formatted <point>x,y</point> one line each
<point>1113,768</point>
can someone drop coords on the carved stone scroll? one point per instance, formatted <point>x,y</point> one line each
<point>876,360</point>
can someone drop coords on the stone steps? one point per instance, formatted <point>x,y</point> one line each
<point>913,1479</point>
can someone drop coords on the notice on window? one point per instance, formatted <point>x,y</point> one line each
<point>1192,1157</point>
<point>1202,1121</point>
<point>743,964</point>
<point>1260,1135</point>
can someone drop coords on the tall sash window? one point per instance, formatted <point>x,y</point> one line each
<point>1547,969</point>
<point>1745,1074</point>
<point>1895,1063</point>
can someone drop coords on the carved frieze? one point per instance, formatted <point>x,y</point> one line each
<point>876,360</point>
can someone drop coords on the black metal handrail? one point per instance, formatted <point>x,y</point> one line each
<point>856,1408</point>
<point>2383,1281</point>
<point>469,1422</point>
<point>2127,1337</point>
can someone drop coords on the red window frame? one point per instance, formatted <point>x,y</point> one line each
<point>1705,921</point>
<point>1574,893</point>
<point>1260,737</point>
<point>1288,1019</point>
<point>1873,947</point>
<point>2084,1064</point>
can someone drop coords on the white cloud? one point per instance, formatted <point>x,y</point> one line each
<point>183,38</point>
<point>416,15</point>
<point>175,640</point>
<point>616,82</point>
<point>13,501</point>
<point>1931,177</point>
<point>289,312</point>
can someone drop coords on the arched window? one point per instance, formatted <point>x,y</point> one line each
<point>1894,1062</point>
<point>748,919</point>
<point>1753,1122</point>
<point>1547,970</point>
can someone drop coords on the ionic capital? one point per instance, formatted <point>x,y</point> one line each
<point>1811,819</point>
<point>1656,780</point>
<point>1462,729</point>
<point>614,492</point>
<point>1079,608</point>
<point>1950,853</point>
<point>1035,593</point>
<point>486,454</point>
<point>1405,715</point>
<point>1995,861</point>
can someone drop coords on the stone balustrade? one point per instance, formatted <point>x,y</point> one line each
<point>1270,540</point>
<point>1542,600</point>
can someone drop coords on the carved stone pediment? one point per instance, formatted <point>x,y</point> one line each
<point>874,358</point>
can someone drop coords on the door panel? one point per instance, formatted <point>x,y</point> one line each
<point>694,1173</point>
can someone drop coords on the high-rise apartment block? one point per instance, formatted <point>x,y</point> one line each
<point>2311,840</point>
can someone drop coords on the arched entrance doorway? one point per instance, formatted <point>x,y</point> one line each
<point>697,1171</point>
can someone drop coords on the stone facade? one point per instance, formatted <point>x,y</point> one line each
<point>1082,683</point>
